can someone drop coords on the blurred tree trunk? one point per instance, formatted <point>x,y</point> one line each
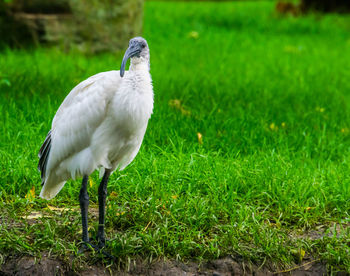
<point>326,5</point>
<point>88,25</point>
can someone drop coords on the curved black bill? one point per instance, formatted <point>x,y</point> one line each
<point>133,50</point>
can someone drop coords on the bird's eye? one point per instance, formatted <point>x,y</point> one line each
<point>143,45</point>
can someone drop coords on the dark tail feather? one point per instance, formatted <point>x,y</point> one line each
<point>43,156</point>
<point>45,144</point>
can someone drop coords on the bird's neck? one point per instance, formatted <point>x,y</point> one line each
<point>139,66</point>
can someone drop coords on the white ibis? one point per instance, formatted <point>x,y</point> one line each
<point>99,125</point>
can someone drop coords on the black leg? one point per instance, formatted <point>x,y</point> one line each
<point>102,194</point>
<point>84,204</point>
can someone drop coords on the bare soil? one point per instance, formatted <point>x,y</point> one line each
<point>27,265</point>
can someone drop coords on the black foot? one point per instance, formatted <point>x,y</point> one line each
<point>102,242</point>
<point>87,246</point>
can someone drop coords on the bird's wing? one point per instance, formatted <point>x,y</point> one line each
<point>79,115</point>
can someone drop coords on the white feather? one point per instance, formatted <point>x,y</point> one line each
<point>100,124</point>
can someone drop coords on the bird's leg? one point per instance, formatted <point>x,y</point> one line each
<point>102,194</point>
<point>84,204</point>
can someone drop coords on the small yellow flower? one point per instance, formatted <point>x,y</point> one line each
<point>175,103</point>
<point>301,254</point>
<point>113,194</point>
<point>273,127</point>
<point>193,34</point>
<point>174,196</point>
<point>200,138</point>
<point>31,194</point>
<point>283,124</point>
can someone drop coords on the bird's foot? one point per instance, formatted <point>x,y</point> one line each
<point>87,246</point>
<point>101,245</point>
<point>101,241</point>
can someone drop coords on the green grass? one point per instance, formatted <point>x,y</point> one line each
<point>270,96</point>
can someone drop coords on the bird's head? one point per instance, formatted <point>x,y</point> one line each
<point>138,52</point>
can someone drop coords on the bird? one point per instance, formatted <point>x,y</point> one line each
<point>100,125</point>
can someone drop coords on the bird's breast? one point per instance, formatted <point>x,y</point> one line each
<point>132,104</point>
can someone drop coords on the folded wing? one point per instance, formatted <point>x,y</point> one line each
<point>77,118</point>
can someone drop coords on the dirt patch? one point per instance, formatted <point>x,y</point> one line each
<point>226,266</point>
<point>221,267</point>
<point>26,266</point>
